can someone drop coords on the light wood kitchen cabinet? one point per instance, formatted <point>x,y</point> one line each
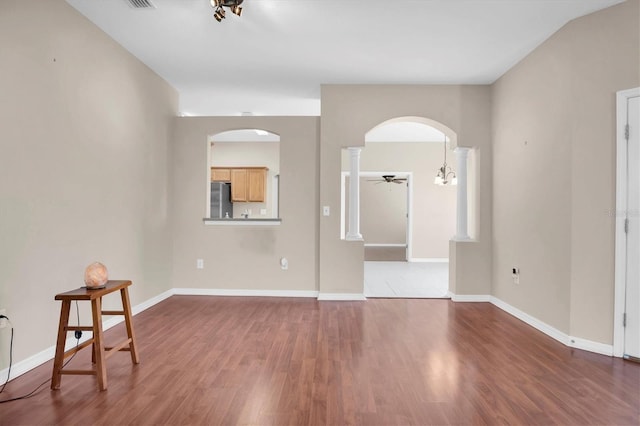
<point>220,174</point>
<point>257,185</point>
<point>248,184</point>
<point>239,184</point>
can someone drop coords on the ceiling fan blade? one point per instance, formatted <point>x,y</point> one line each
<point>398,181</point>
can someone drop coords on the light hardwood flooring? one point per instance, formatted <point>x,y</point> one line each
<point>271,361</point>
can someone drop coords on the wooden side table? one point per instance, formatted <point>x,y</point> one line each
<point>100,352</point>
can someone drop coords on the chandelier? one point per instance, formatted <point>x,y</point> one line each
<point>219,5</point>
<point>445,175</point>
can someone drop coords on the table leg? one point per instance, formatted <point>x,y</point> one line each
<point>126,307</point>
<point>98,342</point>
<point>62,338</point>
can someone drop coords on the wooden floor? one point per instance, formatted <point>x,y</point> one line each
<point>266,361</point>
<point>385,254</point>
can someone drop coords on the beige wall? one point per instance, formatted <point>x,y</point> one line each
<point>246,257</point>
<point>348,113</point>
<point>249,154</point>
<point>84,141</point>
<point>383,211</point>
<point>383,206</point>
<point>554,172</point>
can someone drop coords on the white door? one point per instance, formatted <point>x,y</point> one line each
<point>632,290</point>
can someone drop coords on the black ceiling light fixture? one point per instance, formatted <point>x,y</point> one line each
<point>388,179</point>
<point>219,5</point>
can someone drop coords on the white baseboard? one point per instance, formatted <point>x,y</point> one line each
<point>429,259</point>
<point>565,339</point>
<point>150,302</point>
<point>470,297</point>
<point>532,321</point>
<point>341,296</point>
<point>21,367</point>
<point>267,293</point>
<point>591,346</point>
<point>554,333</point>
<point>385,245</point>
<point>243,293</point>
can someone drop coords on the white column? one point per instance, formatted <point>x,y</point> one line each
<point>353,234</point>
<point>462,233</point>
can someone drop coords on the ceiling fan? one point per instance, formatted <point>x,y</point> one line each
<point>389,179</point>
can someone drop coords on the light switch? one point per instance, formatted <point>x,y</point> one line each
<point>326,211</point>
<point>200,263</point>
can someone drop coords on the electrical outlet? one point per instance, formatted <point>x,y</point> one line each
<point>3,321</point>
<point>200,263</point>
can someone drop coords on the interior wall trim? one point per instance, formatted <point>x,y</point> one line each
<point>470,297</point>
<point>571,341</point>
<point>620,214</point>
<point>341,296</point>
<point>591,346</point>
<point>532,321</point>
<point>554,333</point>
<point>21,367</point>
<point>429,259</point>
<point>243,293</point>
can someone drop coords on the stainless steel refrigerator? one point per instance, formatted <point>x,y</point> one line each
<point>221,205</point>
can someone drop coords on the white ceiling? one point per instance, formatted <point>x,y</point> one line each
<point>273,59</point>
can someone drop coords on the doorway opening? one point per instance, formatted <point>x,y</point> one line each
<point>243,176</point>
<point>406,220</point>
<point>386,213</point>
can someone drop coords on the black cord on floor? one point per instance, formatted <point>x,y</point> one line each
<point>10,355</point>
<point>33,392</point>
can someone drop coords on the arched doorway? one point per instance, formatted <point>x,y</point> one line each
<point>406,220</point>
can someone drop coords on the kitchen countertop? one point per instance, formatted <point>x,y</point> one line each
<point>241,221</point>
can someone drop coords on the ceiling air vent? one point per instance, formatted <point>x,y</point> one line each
<point>141,4</point>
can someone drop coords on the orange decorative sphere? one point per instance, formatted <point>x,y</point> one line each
<point>95,276</point>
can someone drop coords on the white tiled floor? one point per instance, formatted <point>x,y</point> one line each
<point>406,279</point>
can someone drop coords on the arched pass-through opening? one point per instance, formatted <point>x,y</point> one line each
<point>243,175</point>
<point>406,219</point>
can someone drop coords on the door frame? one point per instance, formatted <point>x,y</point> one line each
<point>343,198</point>
<point>620,215</point>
